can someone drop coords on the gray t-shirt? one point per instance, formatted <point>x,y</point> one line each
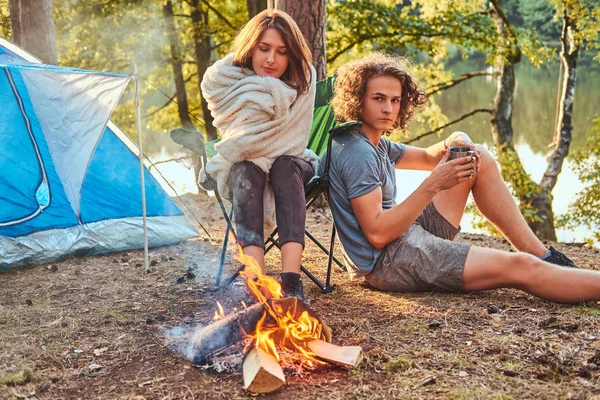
<point>357,168</point>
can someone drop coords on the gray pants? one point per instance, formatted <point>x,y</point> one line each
<point>423,258</point>
<point>288,175</point>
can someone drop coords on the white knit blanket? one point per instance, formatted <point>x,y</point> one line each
<point>259,118</point>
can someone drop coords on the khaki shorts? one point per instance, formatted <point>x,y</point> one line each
<point>423,258</point>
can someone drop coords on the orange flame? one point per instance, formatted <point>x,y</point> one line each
<point>220,313</point>
<point>279,329</point>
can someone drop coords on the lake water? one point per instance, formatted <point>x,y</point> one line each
<point>533,124</point>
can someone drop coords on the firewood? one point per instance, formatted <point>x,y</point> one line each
<point>230,330</point>
<point>224,332</point>
<point>262,373</point>
<point>347,356</point>
<point>296,307</point>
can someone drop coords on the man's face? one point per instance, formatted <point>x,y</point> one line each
<point>381,104</point>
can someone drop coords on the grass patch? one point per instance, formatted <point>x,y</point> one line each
<point>589,311</point>
<point>17,378</point>
<point>400,364</point>
<point>478,393</point>
<point>118,316</point>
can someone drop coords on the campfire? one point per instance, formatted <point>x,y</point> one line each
<point>277,333</point>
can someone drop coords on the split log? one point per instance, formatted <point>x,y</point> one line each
<point>346,356</point>
<point>262,373</point>
<point>224,332</point>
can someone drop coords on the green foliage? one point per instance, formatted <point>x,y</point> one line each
<point>4,20</point>
<point>532,47</point>
<point>519,182</point>
<point>585,210</point>
<point>586,15</point>
<point>426,26</point>
<point>480,222</point>
<point>540,15</point>
<point>521,186</point>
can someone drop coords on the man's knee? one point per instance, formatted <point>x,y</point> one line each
<point>486,156</point>
<point>526,268</point>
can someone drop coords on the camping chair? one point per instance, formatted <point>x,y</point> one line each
<point>319,140</point>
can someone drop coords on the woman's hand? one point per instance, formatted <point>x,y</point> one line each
<point>461,139</point>
<point>449,173</point>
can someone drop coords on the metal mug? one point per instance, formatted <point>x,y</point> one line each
<point>458,152</point>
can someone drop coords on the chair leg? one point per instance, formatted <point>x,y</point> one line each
<point>324,249</point>
<point>329,262</point>
<point>327,287</point>
<point>222,259</point>
<point>271,240</point>
<point>229,229</point>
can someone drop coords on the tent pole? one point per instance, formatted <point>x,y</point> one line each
<point>139,131</point>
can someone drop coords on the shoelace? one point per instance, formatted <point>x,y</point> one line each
<point>562,257</point>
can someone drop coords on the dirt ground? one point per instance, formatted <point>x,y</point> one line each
<point>101,328</point>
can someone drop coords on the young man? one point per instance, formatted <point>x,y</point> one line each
<point>408,246</point>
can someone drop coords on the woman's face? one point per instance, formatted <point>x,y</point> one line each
<point>270,57</point>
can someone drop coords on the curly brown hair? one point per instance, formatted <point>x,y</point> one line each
<point>351,86</point>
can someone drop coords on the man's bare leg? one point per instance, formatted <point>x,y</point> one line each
<point>497,204</point>
<point>486,269</point>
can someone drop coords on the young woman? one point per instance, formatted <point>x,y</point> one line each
<point>261,96</point>
<point>408,246</point>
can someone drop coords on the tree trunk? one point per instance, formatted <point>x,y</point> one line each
<point>32,27</point>
<point>181,94</point>
<point>569,55</point>
<point>530,194</point>
<point>202,51</point>
<point>255,6</point>
<point>543,202</point>
<point>14,10</point>
<point>544,228</point>
<point>502,131</point>
<point>310,17</point>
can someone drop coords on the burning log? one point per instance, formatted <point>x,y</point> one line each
<point>226,331</point>
<point>347,356</point>
<point>262,373</point>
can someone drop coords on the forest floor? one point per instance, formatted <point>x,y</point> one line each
<point>100,327</point>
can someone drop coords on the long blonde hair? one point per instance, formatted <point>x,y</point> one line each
<point>297,75</point>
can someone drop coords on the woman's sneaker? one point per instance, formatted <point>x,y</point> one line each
<point>558,258</point>
<point>291,285</point>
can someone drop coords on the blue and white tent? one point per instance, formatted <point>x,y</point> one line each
<point>69,178</point>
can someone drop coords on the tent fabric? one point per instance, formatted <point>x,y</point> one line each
<point>69,178</point>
